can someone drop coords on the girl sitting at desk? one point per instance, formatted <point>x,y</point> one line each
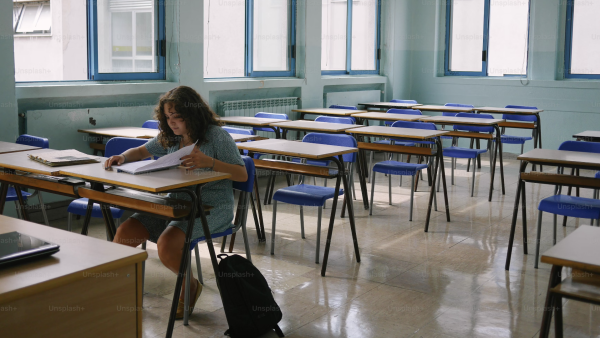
<point>185,118</point>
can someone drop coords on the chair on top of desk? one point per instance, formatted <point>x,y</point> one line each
<point>151,124</point>
<point>114,146</point>
<point>312,195</point>
<point>403,168</point>
<point>569,206</point>
<point>11,194</point>
<point>510,139</point>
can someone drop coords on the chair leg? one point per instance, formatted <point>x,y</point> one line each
<point>43,206</point>
<point>143,268</point>
<point>69,216</point>
<point>245,235</point>
<point>412,197</point>
<point>522,147</point>
<point>223,243</point>
<point>325,185</point>
<point>439,179</point>
<point>19,215</point>
<point>372,193</point>
<point>452,179</point>
<point>555,221</point>
<point>273,227</point>
<point>320,212</point>
<point>539,235</point>
<point>390,188</point>
<point>352,180</point>
<point>302,222</point>
<point>188,281</point>
<point>473,180</point>
<point>370,163</point>
<point>198,266</point>
<point>558,316</point>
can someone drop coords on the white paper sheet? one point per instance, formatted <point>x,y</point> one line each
<point>165,162</point>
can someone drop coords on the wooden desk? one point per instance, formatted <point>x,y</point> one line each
<point>588,136</point>
<point>251,121</point>
<point>327,112</point>
<point>579,251</point>
<point>469,121</point>
<point>402,133</point>
<point>390,105</point>
<point>20,161</point>
<point>563,158</point>
<point>384,117</point>
<point>90,285</point>
<point>449,109</point>
<point>537,139</point>
<point>243,137</point>
<point>98,134</point>
<point>316,152</point>
<point>323,127</point>
<point>8,147</point>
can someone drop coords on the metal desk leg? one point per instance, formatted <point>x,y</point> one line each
<point>3,192</point>
<point>548,307</point>
<point>514,217</point>
<point>21,203</point>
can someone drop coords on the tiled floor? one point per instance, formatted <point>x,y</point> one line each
<point>449,282</point>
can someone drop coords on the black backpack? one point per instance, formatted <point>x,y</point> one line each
<point>249,305</point>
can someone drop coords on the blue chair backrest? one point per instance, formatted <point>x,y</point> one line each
<point>528,118</point>
<point>337,106</point>
<point>242,131</point>
<point>334,119</point>
<point>405,111</point>
<point>414,125</point>
<point>117,145</point>
<point>249,184</point>
<point>455,105</point>
<point>404,101</point>
<point>152,124</point>
<point>34,141</point>
<point>474,128</point>
<point>334,140</point>
<point>269,116</point>
<point>586,147</point>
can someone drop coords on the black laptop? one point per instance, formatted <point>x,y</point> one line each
<point>15,246</point>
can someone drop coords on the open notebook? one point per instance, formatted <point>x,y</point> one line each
<point>165,162</point>
<point>62,157</point>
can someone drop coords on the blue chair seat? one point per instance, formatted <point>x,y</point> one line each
<point>509,139</point>
<point>458,152</point>
<point>11,195</point>
<point>397,142</point>
<point>305,194</point>
<point>312,162</point>
<point>598,174</point>
<point>398,168</point>
<point>79,207</point>
<point>215,235</point>
<point>571,206</point>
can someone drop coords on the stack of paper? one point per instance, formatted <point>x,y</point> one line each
<point>62,157</point>
<point>165,162</point>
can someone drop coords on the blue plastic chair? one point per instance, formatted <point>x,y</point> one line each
<point>233,130</point>
<point>455,152</point>
<point>152,124</point>
<point>404,101</point>
<point>402,112</point>
<point>511,139</point>
<point>11,194</point>
<point>455,105</point>
<point>114,146</point>
<point>596,190</point>
<point>335,119</point>
<point>401,168</point>
<point>338,106</point>
<point>245,189</point>
<point>569,206</point>
<point>311,195</point>
<point>269,116</point>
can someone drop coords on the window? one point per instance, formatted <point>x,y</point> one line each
<point>359,19</point>
<point>32,17</point>
<point>583,39</point>
<point>127,40</point>
<point>249,38</point>
<point>487,37</point>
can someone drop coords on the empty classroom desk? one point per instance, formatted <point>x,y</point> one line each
<point>390,105</point>
<point>89,286</point>
<point>537,143</point>
<point>589,136</point>
<point>450,109</point>
<point>375,116</point>
<point>250,121</point>
<point>307,125</point>
<point>98,134</point>
<point>243,137</point>
<point>8,147</point>
<point>327,112</point>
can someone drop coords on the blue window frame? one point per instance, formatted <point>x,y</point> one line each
<point>149,64</point>
<point>583,69</point>
<point>486,68</point>
<point>376,51</point>
<point>291,52</point>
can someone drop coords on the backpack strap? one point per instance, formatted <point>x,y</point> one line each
<point>219,256</point>
<point>278,331</point>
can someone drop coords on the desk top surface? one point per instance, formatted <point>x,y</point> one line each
<point>411,133</point>
<point>248,120</point>
<point>551,156</point>
<point>134,132</point>
<point>445,108</point>
<point>243,137</point>
<point>157,181</point>
<point>387,116</point>
<point>314,126</point>
<point>20,161</point>
<point>461,120</point>
<point>579,249</point>
<point>591,134</point>
<point>391,105</point>
<point>79,257</point>
<point>297,149</point>
<point>329,111</point>
<point>9,147</point>
<point>516,111</point>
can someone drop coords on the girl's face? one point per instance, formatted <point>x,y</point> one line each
<point>174,120</point>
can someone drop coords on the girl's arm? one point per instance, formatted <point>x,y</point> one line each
<point>198,159</point>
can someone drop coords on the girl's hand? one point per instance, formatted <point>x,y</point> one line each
<point>117,159</point>
<point>197,159</point>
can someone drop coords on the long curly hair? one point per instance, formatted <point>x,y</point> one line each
<point>196,114</point>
